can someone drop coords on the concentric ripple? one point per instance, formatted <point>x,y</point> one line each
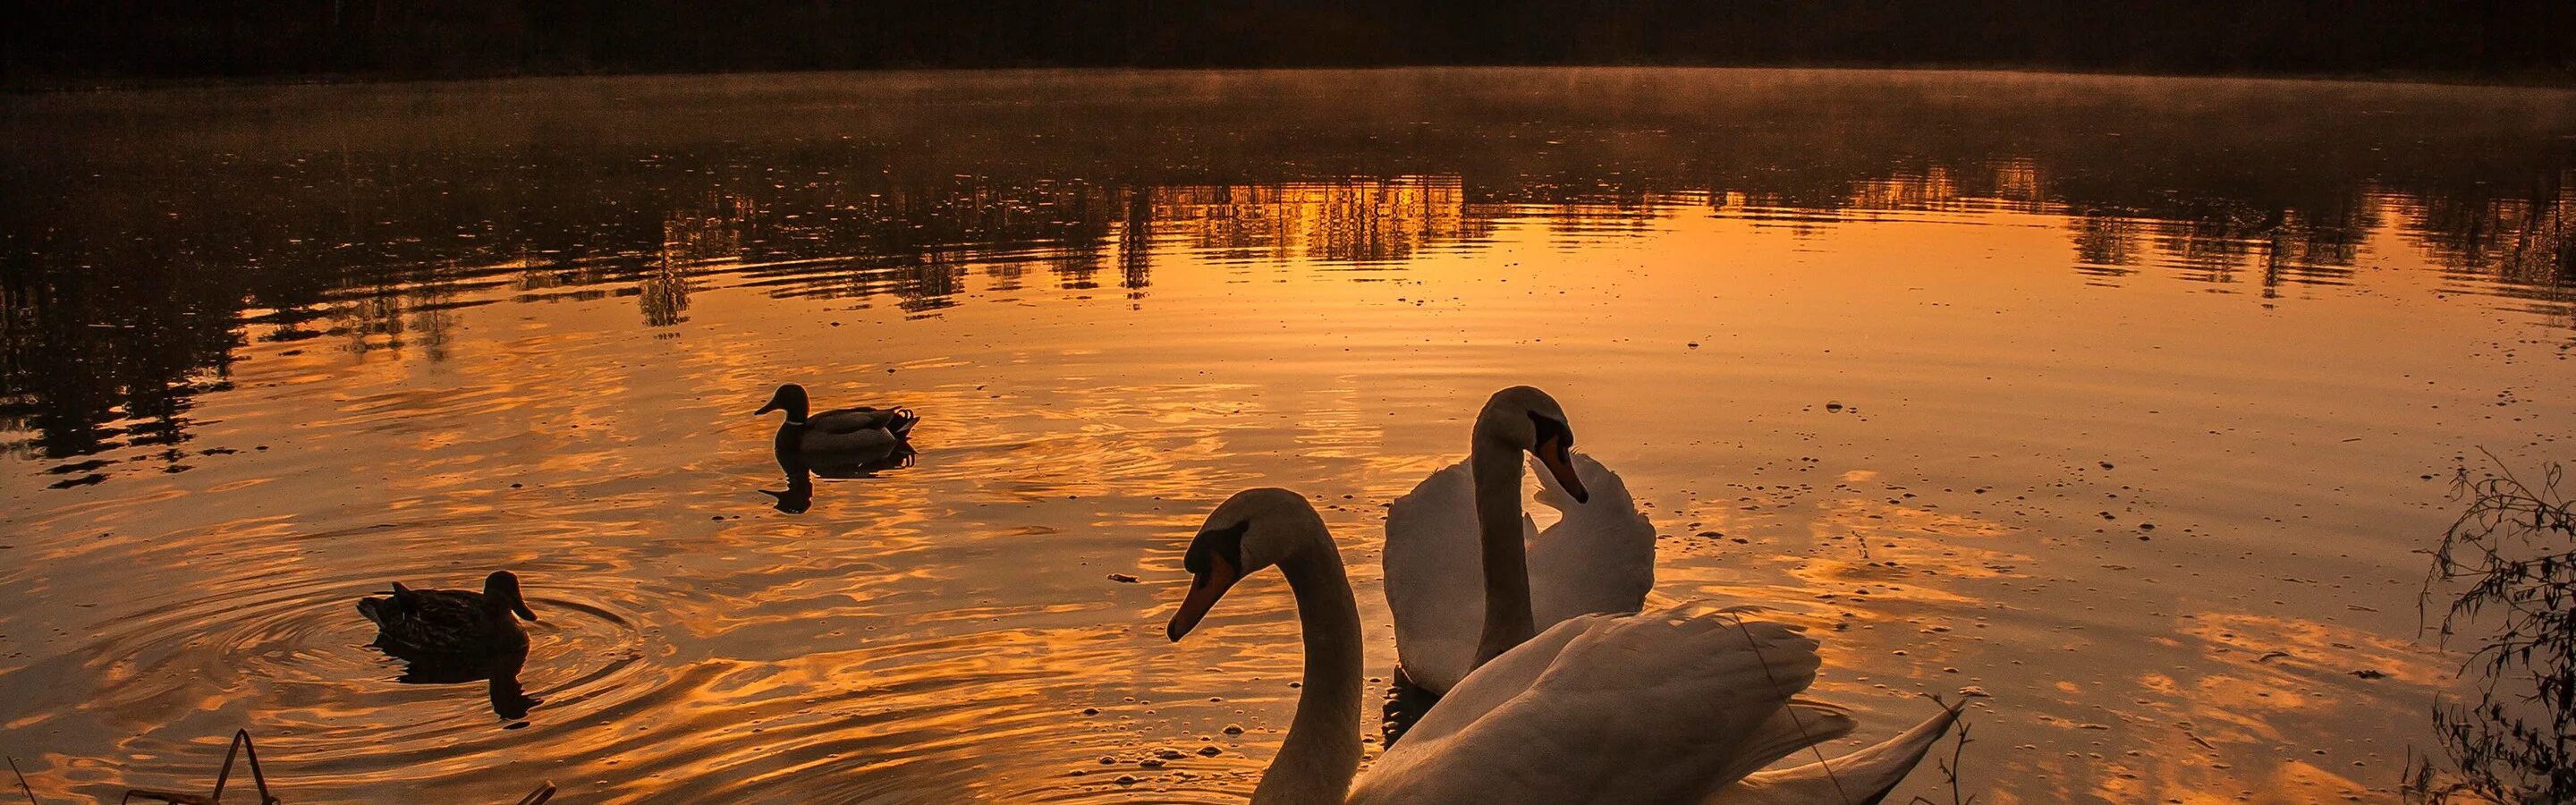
<point>291,657</point>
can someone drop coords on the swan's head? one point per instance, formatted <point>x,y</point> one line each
<point>1254,529</point>
<point>790,398</point>
<point>1526,419</point>
<point>502,589</point>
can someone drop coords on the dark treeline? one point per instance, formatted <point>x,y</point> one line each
<point>366,219</point>
<point>171,39</point>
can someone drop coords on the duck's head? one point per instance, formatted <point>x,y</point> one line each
<point>502,589</point>
<point>1254,529</point>
<point>1527,420</point>
<point>790,398</point>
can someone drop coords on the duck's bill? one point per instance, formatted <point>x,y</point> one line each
<point>1205,589</point>
<point>522,609</point>
<point>772,406</point>
<point>1559,461</point>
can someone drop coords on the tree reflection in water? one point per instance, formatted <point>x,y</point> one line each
<point>378,224</point>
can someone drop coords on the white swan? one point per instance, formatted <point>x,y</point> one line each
<point>1600,557</point>
<point>1672,706</point>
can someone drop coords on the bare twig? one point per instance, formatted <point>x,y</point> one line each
<point>22,782</point>
<point>242,748</point>
<point>2514,547</point>
<point>1950,768</point>
<point>545,791</point>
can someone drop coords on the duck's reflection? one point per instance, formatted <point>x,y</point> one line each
<point>801,467</point>
<point>499,672</point>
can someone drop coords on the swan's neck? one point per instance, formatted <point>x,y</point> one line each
<point>1322,753</point>
<point>1497,470</point>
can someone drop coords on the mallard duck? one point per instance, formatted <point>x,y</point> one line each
<point>451,624</point>
<point>842,430</point>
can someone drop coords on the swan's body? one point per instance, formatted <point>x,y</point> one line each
<point>840,431</point>
<point>451,626</point>
<point>1671,706</point>
<point>1666,707</point>
<point>1598,557</point>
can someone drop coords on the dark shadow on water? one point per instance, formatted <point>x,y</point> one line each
<point>498,672</point>
<point>801,468</point>
<point>1405,704</point>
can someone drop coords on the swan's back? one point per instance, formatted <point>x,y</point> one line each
<point>1598,557</point>
<point>1664,707</point>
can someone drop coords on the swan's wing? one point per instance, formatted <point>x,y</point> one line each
<point>1802,723</point>
<point>1860,778</point>
<point>1600,557</point>
<point>1434,579</point>
<point>1497,681</point>
<point>1649,708</point>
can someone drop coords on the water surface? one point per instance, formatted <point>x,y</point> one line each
<point>2125,401</point>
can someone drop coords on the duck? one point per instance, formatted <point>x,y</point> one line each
<point>1677,705</point>
<point>840,431</point>
<point>1599,556</point>
<point>451,626</point>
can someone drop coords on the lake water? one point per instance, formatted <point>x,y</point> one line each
<point>2126,401</point>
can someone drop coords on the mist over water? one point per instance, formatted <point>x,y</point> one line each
<point>2127,401</point>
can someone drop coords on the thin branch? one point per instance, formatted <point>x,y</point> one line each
<point>22,781</point>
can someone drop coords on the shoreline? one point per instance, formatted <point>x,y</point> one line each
<point>2535,79</point>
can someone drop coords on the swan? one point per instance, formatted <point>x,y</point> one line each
<point>451,624</point>
<point>1677,705</point>
<point>1600,557</point>
<point>838,431</point>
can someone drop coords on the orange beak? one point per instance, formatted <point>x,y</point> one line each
<point>1560,462</point>
<point>1204,592</point>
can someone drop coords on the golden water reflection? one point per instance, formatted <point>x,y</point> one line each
<point>2126,425</point>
